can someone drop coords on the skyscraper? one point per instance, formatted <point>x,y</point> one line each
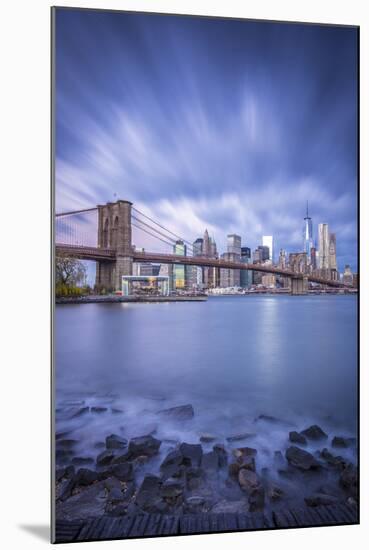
<point>323,237</point>
<point>282,262</point>
<point>332,252</point>
<point>234,244</point>
<point>308,234</point>
<point>245,275</point>
<point>268,241</point>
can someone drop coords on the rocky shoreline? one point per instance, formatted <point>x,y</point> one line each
<point>112,299</point>
<point>130,477</point>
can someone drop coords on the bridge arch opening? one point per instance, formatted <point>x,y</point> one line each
<point>114,233</point>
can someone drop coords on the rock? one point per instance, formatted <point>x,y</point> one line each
<point>275,492</point>
<point>194,478</point>
<point>207,438</point>
<point>295,437</point>
<point>85,477</point>
<point>120,458</point>
<point>271,420</point>
<point>301,459</point>
<point>123,472</point>
<point>194,504</point>
<point>248,480</point>
<point>64,489</point>
<point>114,441</point>
<point>82,460</point>
<point>146,445</point>
<point>349,479</point>
<point>240,437</point>
<point>98,410</point>
<point>257,499</point>
<point>172,465</point>
<point>87,504</point>
<point>321,499</point>
<point>106,457</point>
<point>116,411</point>
<point>314,432</point>
<point>222,455</point>
<point>342,442</point>
<point>191,454</point>
<point>210,461</point>
<point>148,497</point>
<point>171,488</point>
<point>80,412</point>
<point>183,412</point>
<point>63,456</point>
<point>335,461</point>
<point>242,452</point>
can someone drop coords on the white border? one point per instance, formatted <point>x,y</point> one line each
<point>25,182</point>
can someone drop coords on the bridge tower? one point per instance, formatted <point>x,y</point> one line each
<point>299,285</point>
<point>114,232</point>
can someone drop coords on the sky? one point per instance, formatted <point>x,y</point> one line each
<point>210,123</point>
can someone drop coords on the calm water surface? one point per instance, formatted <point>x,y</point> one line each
<point>232,358</point>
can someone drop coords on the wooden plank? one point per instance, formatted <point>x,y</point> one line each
<point>243,522</point>
<point>152,525</point>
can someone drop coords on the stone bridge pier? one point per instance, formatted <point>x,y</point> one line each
<point>114,232</point>
<point>299,285</point>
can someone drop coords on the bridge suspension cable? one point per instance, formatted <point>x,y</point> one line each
<point>162,227</point>
<point>152,234</point>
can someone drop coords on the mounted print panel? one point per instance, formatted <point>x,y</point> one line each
<point>205,328</point>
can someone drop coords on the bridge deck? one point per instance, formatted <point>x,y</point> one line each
<point>153,525</point>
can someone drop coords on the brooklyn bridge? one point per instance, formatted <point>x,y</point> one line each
<point>103,234</point>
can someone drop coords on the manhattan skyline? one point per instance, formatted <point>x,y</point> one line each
<point>226,125</point>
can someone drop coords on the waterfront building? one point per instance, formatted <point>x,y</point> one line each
<point>166,270</point>
<point>308,234</point>
<point>268,280</point>
<point>347,276</point>
<point>332,252</point>
<point>148,270</point>
<point>323,237</point>
<point>245,275</point>
<point>268,242</point>
<point>198,247</point>
<point>179,271</point>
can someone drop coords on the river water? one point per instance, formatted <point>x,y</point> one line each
<point>232,358</point>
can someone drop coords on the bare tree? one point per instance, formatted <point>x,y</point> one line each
<point>69,271</point>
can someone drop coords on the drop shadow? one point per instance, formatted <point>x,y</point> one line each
<point>40,531</point>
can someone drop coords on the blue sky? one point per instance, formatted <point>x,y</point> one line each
<point>209,123</point>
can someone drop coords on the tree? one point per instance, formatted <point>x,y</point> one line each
<point>69,272</point>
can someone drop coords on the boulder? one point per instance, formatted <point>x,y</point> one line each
<point>321,499</point>
<point>349,479</point>
<point>116,411</point>
<point>222,455</point>
<point>342,442</point>
<point>210,461</point>
<point>123,471</point>
<point>274,492</point>
<point>295,437</point>
<point>171,488</point>
<point>114,441</point>
<point>230,507</point>
<point>98,410</point>
<point>191,454</point>
<point>183,412</point>
<point>314,432</point>
<point>85,477</point>
<point>171,465</point>
<point>146,445</point>
<point>243,452</point>
<point>248,480</point>
<point>194,478</point>
<point>148,497</point>
<point>80,412</point>
<point>257,499</point>
<point>194,504</point>
<point>106,457</point>
<point>301,459</point>
<point>86,504</point>
<point>121,457</point>
<point>240,437</point>
<point>335,461</point>
<point>66,443</point>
